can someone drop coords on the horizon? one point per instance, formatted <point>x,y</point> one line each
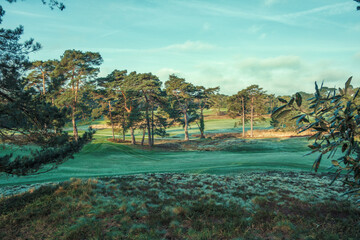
<point>282,46</point>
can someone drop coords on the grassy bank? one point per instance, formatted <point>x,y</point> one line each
<point>272,205</point>
<point>103,158</point>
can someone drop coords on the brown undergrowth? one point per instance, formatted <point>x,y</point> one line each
<point>268,205</point>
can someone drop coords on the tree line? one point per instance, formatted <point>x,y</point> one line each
<point>140,101</point>
<point>129,101</point>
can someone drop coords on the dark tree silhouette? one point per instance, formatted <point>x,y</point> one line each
<point>25,115</point>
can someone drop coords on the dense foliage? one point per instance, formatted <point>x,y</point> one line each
<point>358,1</point>
<point>334,117</point>
<point>249,103</point>
<point>26,115</point>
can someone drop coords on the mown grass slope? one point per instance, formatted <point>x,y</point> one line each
<point>102,158</point>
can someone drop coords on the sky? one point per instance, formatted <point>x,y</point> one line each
<point>282,46</point>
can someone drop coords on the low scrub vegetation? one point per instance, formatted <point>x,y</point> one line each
<point>272,205</point>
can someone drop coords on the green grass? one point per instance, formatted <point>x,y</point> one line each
<point>101,158</point>
<point>211,126</point>
<point>182,206</point>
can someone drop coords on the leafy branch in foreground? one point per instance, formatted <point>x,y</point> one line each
<point>358,7</point>
<point>50,157</point>
<point>26,117</point>
<point>334,117</point>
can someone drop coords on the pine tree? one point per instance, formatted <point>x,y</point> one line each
<point>238,105</point>
<point>77,67</point>
<point>203,100</point>
<point>182,97</point>
<point>25,116</point>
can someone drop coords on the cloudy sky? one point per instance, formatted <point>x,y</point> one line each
<point>283,46</point>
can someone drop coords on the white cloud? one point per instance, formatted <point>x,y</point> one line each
<point>281,62</point>
<point>282,75</point>
<point>164,73</point>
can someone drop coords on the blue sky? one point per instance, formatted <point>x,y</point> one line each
<point>283,46</point>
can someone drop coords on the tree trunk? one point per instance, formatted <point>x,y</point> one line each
<point>74,91</point>
<point>143,137</point>
<point>133,141</point>
<point>113,130</point>
<point>75,131</point>
<point>243,116</point>
<point>202,124</point>
<point>111,121</point>
<point>186,127</point>
<point>252,116</point>
<point>123,126</point>
<point>152,125</point>
<point>148,126</point>
<point>53,104</point>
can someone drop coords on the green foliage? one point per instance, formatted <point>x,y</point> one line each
<point>334,117</point>
<point>41,76</point>
<point>203,99</point>
<point>358,7</point>
<point>284,119</point>
<point>26,117</point>
<point>181,95</point>
<point>248,103</point>
<point>78,69</point>
<point>238,104</point>
<point>219,101</point>
<point>44,159</point>
<point>132,101</point>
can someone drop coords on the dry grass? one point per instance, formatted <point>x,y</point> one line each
<point>268,205</point>
<point>272,133</point>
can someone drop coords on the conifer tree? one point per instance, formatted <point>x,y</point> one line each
<point>148,87</point>
<point>40,75</point>
<point>107,95</point>
<point>78,68</point>
<point>219,101</point>
<point>238,105</point>
<point>182,97</point>
<point>25,117</point>
<point>256,98</point>
<point>203,100</point>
